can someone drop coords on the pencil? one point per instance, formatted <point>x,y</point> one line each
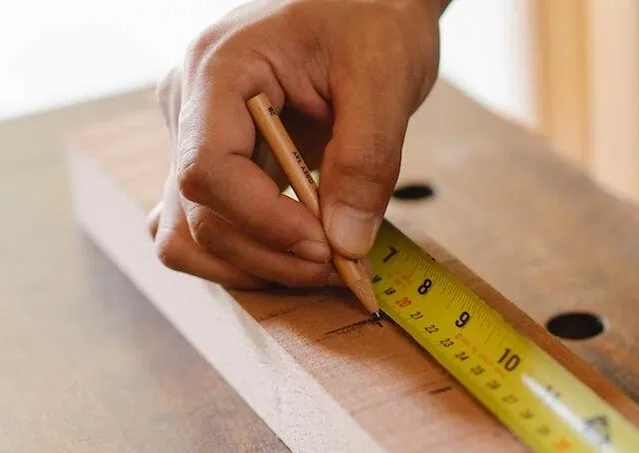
<point>272,129</point>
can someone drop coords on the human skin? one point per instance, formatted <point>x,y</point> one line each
<point>346,76</point>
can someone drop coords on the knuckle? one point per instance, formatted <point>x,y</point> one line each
<point>240,62</point>
<point>190,175</point>
<point>200,46</point>
<point>168,252</point>
<point>235,57</point>
<point>200,229</point>
<point>206,233</point>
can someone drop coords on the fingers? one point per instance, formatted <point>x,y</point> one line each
<point>177,250</point>
<point>204,243</point>
<point>214,167</point>
<point>222,255</point>
<point>180,253</point>
<point>217,237</point>
<point>360,167</point>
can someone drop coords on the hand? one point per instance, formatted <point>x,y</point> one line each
<point>194,248</point>
<point>346,75</point>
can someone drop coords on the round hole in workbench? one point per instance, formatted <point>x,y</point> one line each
<point>413,192</point>
<point>575,325</point>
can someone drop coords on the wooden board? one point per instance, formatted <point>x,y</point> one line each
<point>522,219</point>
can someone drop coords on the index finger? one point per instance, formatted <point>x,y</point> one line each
<point>215,144</point>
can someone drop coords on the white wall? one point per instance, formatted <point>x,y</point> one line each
<point>54,52</point>
<point>488,50</point>
<point>58,52</point>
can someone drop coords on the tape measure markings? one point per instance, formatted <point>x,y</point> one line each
<point>536,398</point>
<point>533,395</point>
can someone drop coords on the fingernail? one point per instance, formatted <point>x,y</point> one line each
<point>312,250</point>
<point>353,230</point>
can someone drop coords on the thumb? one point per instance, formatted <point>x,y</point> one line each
<point>360,168</point>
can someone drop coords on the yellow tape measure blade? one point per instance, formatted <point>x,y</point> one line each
<point>531,393</point>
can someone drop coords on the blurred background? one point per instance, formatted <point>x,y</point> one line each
<point>568,69</point>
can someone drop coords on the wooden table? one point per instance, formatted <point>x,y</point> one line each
<point>90,365</point>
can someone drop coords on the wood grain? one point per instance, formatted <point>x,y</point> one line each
<point>526,222</point>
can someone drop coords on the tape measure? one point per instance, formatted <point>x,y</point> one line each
<point>537,399</point>
<point>533,395</point>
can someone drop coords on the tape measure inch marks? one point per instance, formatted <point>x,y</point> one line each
<point>537,399</point>
<point>533,395</point>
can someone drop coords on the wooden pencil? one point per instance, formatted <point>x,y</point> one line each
<point>272,129</point>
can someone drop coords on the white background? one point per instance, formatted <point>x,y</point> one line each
<point>57,52</point>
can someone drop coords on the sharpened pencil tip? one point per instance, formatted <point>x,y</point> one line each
<point>376,316</point>
<point>364,292</point>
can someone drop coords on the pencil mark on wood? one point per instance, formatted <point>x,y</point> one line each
<point>441,390</point>
<point>355,326</point>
